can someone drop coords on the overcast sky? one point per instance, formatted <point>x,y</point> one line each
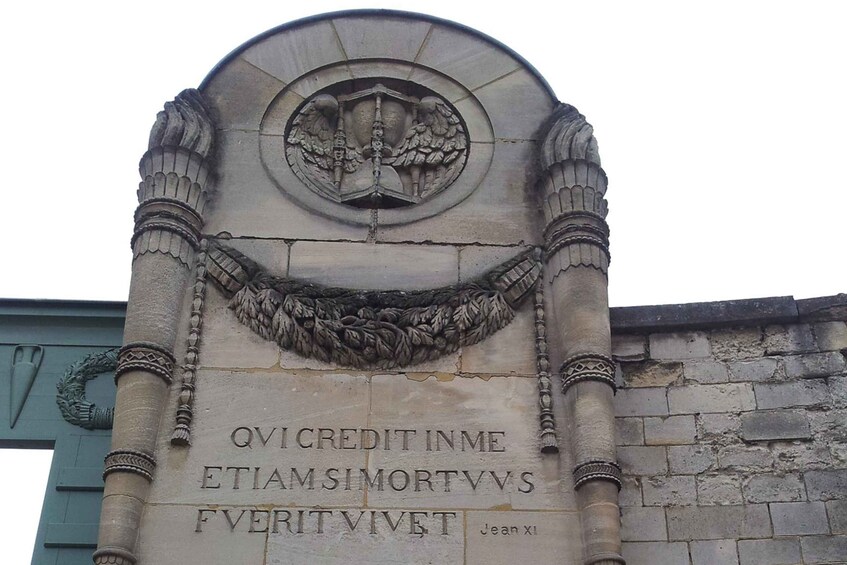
<point>721,126</point>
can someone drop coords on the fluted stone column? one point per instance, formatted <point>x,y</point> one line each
<point>576,237</point>
<point>175,174</point>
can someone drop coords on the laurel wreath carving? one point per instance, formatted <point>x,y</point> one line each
<point>371,329</point>
<point>71,399</point>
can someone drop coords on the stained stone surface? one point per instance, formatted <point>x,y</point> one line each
<point>296,460</point>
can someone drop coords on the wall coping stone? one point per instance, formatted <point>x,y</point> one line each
<point>624,319</point>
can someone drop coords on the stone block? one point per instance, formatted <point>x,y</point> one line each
<point>630,494</point>
<point>829,425</point>
<point>629,431</point>
<point>651,373</point>
<point>775,425</point>
<point>641,402</point>
<point>471,62</point>
<point>167,526</point>
<point>339,544</point>
<point>788,340</point>
<point>831,336</point>
<point>694,399</point>
<point>510,351</point>
<point>705,372</point>
<point>374,266</point>
<point>755,370</point>
<point>815,365</point>
<point>838,391</point>
<point>496,538</point>
<point>653,553</point>
<point>524,97</point>
<point>774,488</point>
<point>240,94</point>
<point>244,434</point>
<point>714,552</point>
<point>262,211</point>
<point>735,344</point>
<point>769,552</point>
<point>629,347</point>
<point>289,55</point>
<point>719,490</point>
<point>719,428</point>
<point>635,460</point>
<point>270,253</point>
<point>799,518</point>
<point>673,430</point>
<point>718,522</point>
<point>800,456</point>
<point>836,510</point>
<point>643,524</point>
<point>509,472</point>
<point>691,459</point>
<point>501,210</point>
<point>476,260</point>
<point>227,343</point>
<point>786,395</point>
<point>745,458</point>
<point>669,491</point>
<point>826,485</point>
<point>680,345</point>
<point>824,549</point>
<point>400,38</point>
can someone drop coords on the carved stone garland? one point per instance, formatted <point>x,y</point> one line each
<point>371,329</point>
<point>184,414</point>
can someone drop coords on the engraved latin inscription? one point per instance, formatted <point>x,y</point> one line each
<point>236,473</point>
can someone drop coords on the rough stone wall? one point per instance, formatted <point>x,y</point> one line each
<point>733,443</point>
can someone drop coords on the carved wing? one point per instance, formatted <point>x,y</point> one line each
<point>433,147</point>
<point>371,329</point>
<point>312,131</point>
<point>312,142</point>
<point>437,139</point>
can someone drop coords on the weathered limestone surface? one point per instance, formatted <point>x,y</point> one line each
<point>743,455</point>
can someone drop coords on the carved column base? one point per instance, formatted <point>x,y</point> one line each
<point>610,559</point>
<point>114,556</point>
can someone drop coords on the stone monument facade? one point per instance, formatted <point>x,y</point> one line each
<point>368,317</point>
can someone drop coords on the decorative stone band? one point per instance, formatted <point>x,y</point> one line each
<point>144,356</point>
<point>570,245</point>
<point>573,185</point>
<point>130,461</point>
<point>587,367</point>
<point>114,556</point>
<point>596,471</point>
<point>605,559</point>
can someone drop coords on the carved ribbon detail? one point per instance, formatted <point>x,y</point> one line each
<point>371,329</point>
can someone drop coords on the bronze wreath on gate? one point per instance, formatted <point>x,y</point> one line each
<point>71,391</point>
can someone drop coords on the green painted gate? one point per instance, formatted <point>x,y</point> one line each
<point>44,344</point>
